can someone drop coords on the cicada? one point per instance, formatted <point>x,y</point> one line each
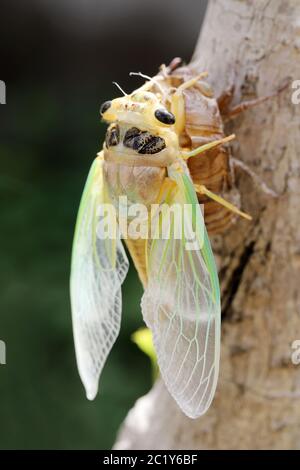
<point>145,160</point>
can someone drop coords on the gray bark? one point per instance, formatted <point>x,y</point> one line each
<point>256,46</point>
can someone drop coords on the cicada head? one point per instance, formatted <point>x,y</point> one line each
<point>141,130</point>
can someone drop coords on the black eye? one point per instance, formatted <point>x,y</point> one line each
<point>104,106</point>
<point>164,116</point>
<point>112,135</point>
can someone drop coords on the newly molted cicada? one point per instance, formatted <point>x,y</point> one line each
<point>144,158</point>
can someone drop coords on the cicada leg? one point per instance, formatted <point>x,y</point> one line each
<point>201,189</point>
<point>257,181</point>
<point>177,102</point>
<point>225,99</point>
<point>178,109</point>
<point>205,147</point>
<point>167,191</point>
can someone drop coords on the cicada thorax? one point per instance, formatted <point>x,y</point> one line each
<point>139,184</point>
<point>203,124</point>
<point>129,185</point>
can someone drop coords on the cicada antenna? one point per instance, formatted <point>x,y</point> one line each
<point>121,89</point>
<point>151,80</point>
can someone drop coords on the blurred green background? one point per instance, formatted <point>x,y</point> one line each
<point>58,59</point>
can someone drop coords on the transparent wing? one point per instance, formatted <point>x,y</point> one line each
<point>98,269</point>
<point>181,304</point>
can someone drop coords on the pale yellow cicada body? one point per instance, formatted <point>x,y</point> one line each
<point>142,160</point>
<point>148,146</point>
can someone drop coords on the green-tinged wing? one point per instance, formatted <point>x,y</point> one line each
<point>99,267</point>
<point>181,304</point>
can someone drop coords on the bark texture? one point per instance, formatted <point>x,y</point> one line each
<point>255,46</point>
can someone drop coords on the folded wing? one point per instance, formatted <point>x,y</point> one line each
<point>181,304</point>
<point>99,267</point>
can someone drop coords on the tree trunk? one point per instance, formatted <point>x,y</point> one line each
<point>255,46</point>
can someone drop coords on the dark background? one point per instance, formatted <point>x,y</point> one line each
<point>58,59</point>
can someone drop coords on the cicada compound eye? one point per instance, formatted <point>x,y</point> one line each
<point>164,116</point>
<point>104,107</point>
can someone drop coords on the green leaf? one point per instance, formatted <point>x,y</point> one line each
<point>143,339</point>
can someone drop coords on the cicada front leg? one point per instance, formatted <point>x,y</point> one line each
<point>178,104</point>
<point>225,100</point>
<point>178,109</point>
<point>257,181</point>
